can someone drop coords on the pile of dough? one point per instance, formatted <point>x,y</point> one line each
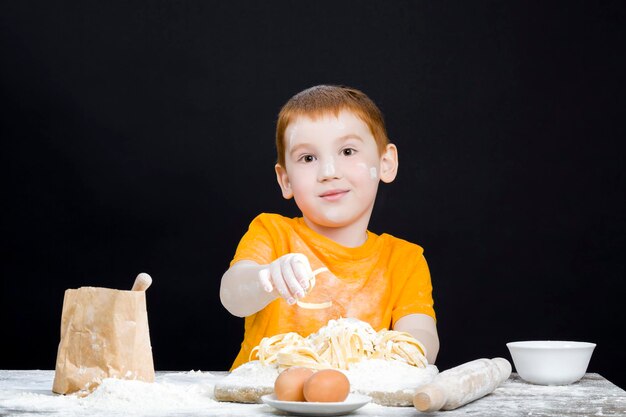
<point>339,344</point>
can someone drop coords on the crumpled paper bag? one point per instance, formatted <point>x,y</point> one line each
<point>104,334</point>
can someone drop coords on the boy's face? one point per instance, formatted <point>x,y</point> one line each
<point>332,169</point>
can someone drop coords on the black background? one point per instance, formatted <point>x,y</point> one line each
<point>138,136</point>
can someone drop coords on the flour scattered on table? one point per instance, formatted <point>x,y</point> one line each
<point>133,396</point>
<point>170,394</point>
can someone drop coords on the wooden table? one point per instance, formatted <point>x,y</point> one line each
<point>27,393</point>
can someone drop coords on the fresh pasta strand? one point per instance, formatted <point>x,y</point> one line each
<point>267,351</point>
<point>395,345</point>
<point>301,356</point>
<point>315,306</point>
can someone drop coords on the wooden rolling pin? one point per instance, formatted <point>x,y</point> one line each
<point>462,384</point>
<point>142,282</point>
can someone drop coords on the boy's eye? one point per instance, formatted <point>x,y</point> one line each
<point>307,158</point>
<point>348,151</point>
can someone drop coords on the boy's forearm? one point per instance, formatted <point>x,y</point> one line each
<point>241,292</point>
<point>423,328</point>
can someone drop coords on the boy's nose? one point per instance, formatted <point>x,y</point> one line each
<point>328,170</point>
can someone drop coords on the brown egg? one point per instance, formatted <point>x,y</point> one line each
<point>289,383</point>
<point>327,385</point>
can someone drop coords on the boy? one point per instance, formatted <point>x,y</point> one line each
<point>293,275</point>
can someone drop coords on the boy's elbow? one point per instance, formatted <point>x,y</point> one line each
<point>229,301</point>
<point>431,353</point>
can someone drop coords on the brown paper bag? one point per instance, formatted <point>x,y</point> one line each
<point>104,334</point>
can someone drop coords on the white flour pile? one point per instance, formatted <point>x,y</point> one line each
<point>171,394</point>
<point>133,396</point>
<point>382,375</point>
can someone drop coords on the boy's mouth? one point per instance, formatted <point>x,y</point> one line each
<point>333,195</point>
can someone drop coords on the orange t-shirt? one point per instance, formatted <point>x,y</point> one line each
<point>378,282</point>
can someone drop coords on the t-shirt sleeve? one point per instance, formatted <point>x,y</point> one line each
<point>257,243</point>
<point>415,296</point>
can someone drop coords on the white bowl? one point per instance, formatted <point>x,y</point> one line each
<point>551,362</point>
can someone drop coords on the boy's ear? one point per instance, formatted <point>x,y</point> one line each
<point>389,163</point>
<point>283,181</point>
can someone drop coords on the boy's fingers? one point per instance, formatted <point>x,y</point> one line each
<point>266,282</point>
<point>291,281</point>
<point>278,280</point>
<point>300,259</point>
<point>302,269</point>
<point>302,273</point>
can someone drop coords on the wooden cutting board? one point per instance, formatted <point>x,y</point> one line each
<point>395,386</point>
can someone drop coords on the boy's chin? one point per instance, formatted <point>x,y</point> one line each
<point>327,222</point>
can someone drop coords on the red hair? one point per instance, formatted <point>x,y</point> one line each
<point>322,100</point>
